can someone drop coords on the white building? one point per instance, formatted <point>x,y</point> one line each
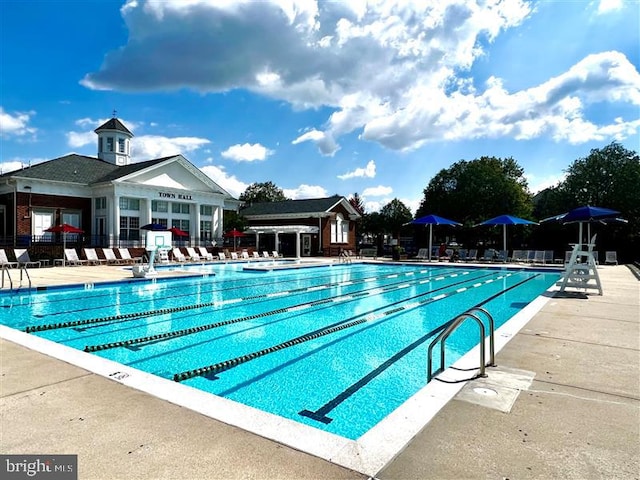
<point>111,198</point>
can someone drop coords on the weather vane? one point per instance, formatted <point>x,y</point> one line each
<point>114,113</point>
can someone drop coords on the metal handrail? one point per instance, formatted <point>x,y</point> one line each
<point>492,330</point>
<point>23,268</point>
<point>6,268</point>
<point>442,338</point>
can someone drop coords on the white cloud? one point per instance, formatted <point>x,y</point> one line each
<point>229,182</point>
<point>392,70</point>
<point>378,191</point>
<point>305,191</point>
<point>538,183</point>
<point>247,152</point>
<point>12,165</point>
<point>80,139</point>
<point>606,6</point>
<point>147,147</point>
<point>369,171</point>
<point>16,124</point>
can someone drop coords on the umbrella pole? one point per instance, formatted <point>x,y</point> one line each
<point>580,234</point>
<point>504,237</point>
<point>430,239</point>
<point>64,246</point>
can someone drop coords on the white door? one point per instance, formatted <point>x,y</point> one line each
<point>42,221</point>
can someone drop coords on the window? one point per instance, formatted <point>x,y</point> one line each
<point>159,206</point>
<point>100,144</point>
<point>180,208</point>
<point>109,144</point>
<point>120,145</point>
<point>101,203</point>
<point>127,203</point>
<point>129,228</point>
<point>181,224</point>
<point>205,230</point>
<point>339,230</point>
<point>206,210</point>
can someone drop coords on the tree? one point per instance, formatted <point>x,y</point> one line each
<point>233,220</point>
<point>261,192</point>
<point>394,215</point>
<point>356,202</point>
<point>472,191</point>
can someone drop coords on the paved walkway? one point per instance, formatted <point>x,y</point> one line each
<point>579,418</point>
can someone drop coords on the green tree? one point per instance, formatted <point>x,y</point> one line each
<point>394,215</point>
<point>472,191</point>
<point>261,192</point>
<point>608,177</point>
<point>233,220</point>
<point>356,202</point>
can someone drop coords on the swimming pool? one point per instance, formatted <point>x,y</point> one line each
<point>337,348</point>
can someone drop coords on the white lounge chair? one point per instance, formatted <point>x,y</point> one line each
<point>265,254</point>
<point>22,256</point>
<point>193,255</point>
<point>71,258</point>
<point>92,257</point>
<point>4,261</point>
<point>234,256</point>
<point>245,255</point>
<point>178,256</point>
<point>277,255</point>
<point>205,254</point>
<point>111,258</point>
<point>256,254</point>
<point>423,254</point>
<point>126,256</point>
<point>221,256</point>
<point>610,258</point>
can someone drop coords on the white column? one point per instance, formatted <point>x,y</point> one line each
<point>116,220</point>
<point>257,242</point>
<point>298,245</point>
<point>195,231</point>
<point>275,245</point>
<point>218,222</point>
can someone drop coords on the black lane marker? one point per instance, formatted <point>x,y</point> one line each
<point>181,294</point>
<point>164,311</point>
<point>210,326</point>
<point>227,364</point>
<point>320,414</point>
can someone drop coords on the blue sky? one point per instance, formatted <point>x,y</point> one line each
<point>323,97</point>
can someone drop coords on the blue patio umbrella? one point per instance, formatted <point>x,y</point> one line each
<point>432,220</point>
<point>586,214</point>
<point>155,227</point>
<point>505,220</point>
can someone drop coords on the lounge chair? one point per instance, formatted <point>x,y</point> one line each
<point>472,256</point>
<point>423,254</point>
<point>277,255</point>
<point>126,256</point>
<point>4,261</point>
<point>265,254</point>
<point>548,256</point>
<point>111,258</point>
<point>178,256</point>
<point>501,256</point>
<point>256,254</point>
<point>221,256</point>
<point>205,254</point>
<point>245,255</point>
<point>92,257</point>
<point>22,256</point>
<point>71,257</point>
<point>192,254</point>
<point>610,258</point>
<point>234,256</point>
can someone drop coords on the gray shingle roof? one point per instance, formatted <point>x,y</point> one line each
<point>80,169</point>
<point>313,205</point>
<point>113,124</point>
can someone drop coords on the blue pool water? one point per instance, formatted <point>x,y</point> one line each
<point>335,347</point>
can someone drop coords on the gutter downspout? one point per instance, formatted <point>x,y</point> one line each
<point>15,213</point>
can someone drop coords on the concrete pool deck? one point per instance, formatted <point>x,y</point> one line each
<point>578,418</point>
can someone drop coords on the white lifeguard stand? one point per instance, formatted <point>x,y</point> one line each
<point>158,245</point>
<point>582,271</point>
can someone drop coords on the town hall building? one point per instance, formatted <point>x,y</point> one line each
<point>110,198</point>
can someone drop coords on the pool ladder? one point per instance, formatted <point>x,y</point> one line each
<point>23,268</point>
<point>442,338</point>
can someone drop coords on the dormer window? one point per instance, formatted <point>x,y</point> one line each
<point>121,145</point>
<point>109,144</point>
